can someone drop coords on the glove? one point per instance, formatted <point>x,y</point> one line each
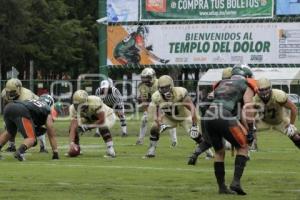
<point>149,48</point>
<point>83,128</point>
<point>163,61</point>
<point>55,156</point>
<point>194,133</point>
<point>163,127</point>
<point>290,130</point>
<point>250,137</point>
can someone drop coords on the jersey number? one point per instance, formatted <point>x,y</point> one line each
<point>169,111</point>
<point>37,103</point>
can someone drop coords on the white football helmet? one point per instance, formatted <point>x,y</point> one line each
<point>148,76</point>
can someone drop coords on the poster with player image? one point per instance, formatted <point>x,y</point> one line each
<point>287,7</point>
<point>252,43</point>
<point>130,45</point>
<point>118,11</point>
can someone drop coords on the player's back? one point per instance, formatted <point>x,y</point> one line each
<point>39,110</point>
<point>229,93</point>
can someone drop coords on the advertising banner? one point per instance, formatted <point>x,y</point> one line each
<point>287,7</point>
<point>162,10</point>
<point>122,11</point>
<point>250,43</point>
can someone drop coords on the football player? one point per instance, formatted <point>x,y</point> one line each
<point>273,105</point>
<point>206,99</point>
<point>145,90</point>
<point>88,112</point>
<point>29,117</point>
<point>14,91</point>
<point>112,97</point>
<point>171,106</point>
<point>240,69</point>
<point>128,50</point>
<point>232,98</point>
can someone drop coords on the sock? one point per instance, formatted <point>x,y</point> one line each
<point>42,140</point>
<point>173,135</point>
<point>109,144</point>
<point>220,173</point>
<point>143,130</point>
<point>240,163</point>
<point>124,129</point>
<point>22,148</point>
<point>153,143</point>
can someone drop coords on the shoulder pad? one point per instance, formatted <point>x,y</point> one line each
<point>95,102</point>
<point>156,97</point>
<point>279,96</point>
<point>155,84</point>
<point>26,94</point>
<point>180,93</point>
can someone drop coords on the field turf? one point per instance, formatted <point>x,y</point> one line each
<point>272,173</point>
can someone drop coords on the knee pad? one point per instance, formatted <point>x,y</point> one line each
<point>105,133</point>
<point>154,133</point>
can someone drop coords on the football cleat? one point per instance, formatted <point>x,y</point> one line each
<point>174,144</point>
<point>11,148</point>
<point>238,189</point>
<point>43,150</point>
<point>110,152</point>
<point>97,135</point>
<point>19,156</point>
<point>225,190</point>
<point>124,134</point>
<point>151,152</point>
<point>193,159</point>
<point>139,141</point>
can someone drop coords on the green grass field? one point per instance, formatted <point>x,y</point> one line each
<point>272,173</point>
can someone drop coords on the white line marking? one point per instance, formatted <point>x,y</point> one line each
<point>210,170</point>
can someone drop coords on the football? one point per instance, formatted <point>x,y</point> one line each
<point>74,150</point>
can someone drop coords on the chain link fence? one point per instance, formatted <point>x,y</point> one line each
<point>62,90</point>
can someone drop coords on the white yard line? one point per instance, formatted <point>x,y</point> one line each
<point>195,169</point>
